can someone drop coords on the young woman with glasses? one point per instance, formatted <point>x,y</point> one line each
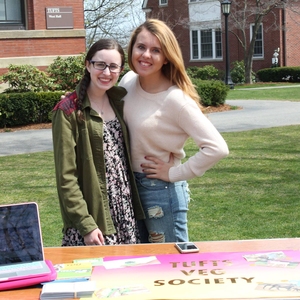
<point>98,197</point>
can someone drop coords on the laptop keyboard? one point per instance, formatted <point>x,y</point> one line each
<point>20,267</point>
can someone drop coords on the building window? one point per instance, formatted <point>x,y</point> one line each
<point>206,44</point>
<point>12,14</point>
<point>195,45</point>
<point>218,37</point>
<point>163,2</point>
<point>259,43</point>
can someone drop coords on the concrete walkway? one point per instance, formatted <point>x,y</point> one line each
<point>271,87</point>
<point>254,115</point>
<point>25,141</point>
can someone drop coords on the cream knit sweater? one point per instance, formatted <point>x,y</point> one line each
<point>159,124</point>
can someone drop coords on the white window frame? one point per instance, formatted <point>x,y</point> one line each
<point>198,45</point>
<point>260,55</point>
<point>163,2</point>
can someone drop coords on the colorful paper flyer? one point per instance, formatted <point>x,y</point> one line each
<point>98,261</point>
<point>73,270</point>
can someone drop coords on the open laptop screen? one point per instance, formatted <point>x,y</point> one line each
<point>20,234</point>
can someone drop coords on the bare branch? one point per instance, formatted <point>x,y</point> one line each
<point>116,19</point>
<point>247,13</point>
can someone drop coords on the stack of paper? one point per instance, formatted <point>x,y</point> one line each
<point>68,290</point>
<point>73,271</point>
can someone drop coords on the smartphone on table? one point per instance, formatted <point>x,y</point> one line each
<point>186,247</point>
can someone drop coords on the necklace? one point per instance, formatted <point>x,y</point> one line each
<point>100,108</point>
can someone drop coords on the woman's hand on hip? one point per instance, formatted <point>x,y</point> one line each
<point>157,168</point>
<point>94,237</point>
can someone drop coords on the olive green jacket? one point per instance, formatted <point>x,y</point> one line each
<point>79,164</point>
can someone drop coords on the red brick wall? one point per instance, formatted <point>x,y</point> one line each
<point>39,8</point>
<point>271,41</point>
<point>274,36</point>
<point>30,15</point>
<point>44,46</point>
<point>292,38</point>
<point>175,14</point>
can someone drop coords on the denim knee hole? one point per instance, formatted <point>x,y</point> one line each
<point>156,237</point>
<point>155,212</point>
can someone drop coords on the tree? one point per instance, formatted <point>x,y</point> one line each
<point>111,19</point>
<point>246,13</point>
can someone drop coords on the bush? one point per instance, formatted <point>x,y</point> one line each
<point>62,74</point>
<point>27,108</point>
<point>212,92</point>
<point>27,78</point>
<point>207,72</point>
<point>192,72</point>
<point>238,72</point>
<point>67,72</point>
<point>280,74</point>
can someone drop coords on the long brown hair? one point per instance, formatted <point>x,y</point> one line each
<point>175,69</point>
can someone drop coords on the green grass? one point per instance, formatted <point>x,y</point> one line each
<point>253,193</point>
<point>264,84</point>
<point>30,177</point>
<point>250,92</point>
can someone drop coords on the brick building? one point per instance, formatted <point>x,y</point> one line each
<point>35,32</point>
<point>199,28</point>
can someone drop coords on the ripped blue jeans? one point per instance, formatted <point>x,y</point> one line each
<point>166,206</point>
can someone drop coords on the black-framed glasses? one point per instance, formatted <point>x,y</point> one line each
<point>101,65</point>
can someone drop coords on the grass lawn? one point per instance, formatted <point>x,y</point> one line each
<point>289,92</point>
<point>30,177</point>
<point>253,193</point>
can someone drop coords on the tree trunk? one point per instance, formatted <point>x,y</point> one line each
<point>248,69</point>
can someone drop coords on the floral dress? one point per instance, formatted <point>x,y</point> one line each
<point>118,192</point>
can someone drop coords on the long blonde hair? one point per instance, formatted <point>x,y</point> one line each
<point>175,69</point>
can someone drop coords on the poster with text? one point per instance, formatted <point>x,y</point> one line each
<point>237,275</point>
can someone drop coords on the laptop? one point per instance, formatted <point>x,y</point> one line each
<point>22,259</point>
